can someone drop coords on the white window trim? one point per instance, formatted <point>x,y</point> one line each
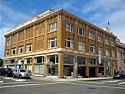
<point>113,53</point>
<point>82,45</point>
<point>71,43</point>
<point>7,51</point>
<point>107,41</point>
<point>82,31</point>
<point>50,42</point>
<point>99,38</point>
<point>91,35</point>
<point>8,43</point>
<point>21,47</point>
<point>53,27</point>
<point>69,28</point>
<point>100,50</point>
<point>107,52</point>
<point>29,45</point>
<point>93,49</point>
<point>13,50</point>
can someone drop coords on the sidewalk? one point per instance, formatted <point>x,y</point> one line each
<point>47,79</point>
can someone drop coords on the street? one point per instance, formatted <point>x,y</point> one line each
<point>29,86</point>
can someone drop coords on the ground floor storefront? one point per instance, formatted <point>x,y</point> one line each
<point>64,64</point>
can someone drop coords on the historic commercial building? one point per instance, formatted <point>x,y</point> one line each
<point>121,55</point>
<point>62,44</point>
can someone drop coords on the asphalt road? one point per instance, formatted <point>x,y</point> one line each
<point>30,86</point>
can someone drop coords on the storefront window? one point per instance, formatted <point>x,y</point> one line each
<point>92,61</point>
<point>81,60</point>
<point>68,59</point>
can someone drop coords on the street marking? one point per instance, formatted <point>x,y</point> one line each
<point>17,82</point>
<point>98,86</point>
<point>7,78</point>
<point>121,83</point>
<point>31,85</point>
<point>115,81</point>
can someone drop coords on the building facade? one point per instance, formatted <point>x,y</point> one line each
<point>121,56</point>
<point>61,44</point>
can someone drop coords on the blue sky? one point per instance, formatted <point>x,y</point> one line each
<point>98,12</point>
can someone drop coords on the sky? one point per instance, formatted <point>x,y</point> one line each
<point>97,12</point>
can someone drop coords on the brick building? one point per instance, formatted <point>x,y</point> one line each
<point>62,44</point>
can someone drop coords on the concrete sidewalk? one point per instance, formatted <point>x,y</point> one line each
<point>46,79</point>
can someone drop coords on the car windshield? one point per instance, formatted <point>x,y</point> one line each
<point>22,71</point>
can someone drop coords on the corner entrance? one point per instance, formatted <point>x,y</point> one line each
<point>92,72</point>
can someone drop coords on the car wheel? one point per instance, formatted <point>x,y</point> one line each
<point>20,76</point>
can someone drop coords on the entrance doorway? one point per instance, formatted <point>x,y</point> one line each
<point>81,71</point>
<point>92,72</point>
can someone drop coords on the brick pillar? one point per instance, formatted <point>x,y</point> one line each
<point>104,68</point>
<point>45,65</point>
<point>75,67</point>
<point>33,65</point>
<point>60,65</point>
<point>87,68</point>
<point>97,68</point>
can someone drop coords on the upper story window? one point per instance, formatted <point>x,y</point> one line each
<point>39,59</point>
<point>69,27</point>
<point>92,49</point>
<point>113,53</point>
<point>28,60</point>
<point>52,42</point>
<point>113,43</point>
<point>7,52</point>
<point>29,48</point>
<point>52,27</point>
<point>81,46</point>
<point>107,52</point>
<point>20,49</point>
<point>8,42</point>
<point>107,41</point>
<point>80,31</point>
<point>91,35</point>
<point>69,43</point>
<point>13,51</point>
<point>100,51</point>
<point>99,38</point>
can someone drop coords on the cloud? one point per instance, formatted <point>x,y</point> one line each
<point>65,5</point>
<point>9,19</point>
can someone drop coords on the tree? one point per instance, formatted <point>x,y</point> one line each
<point>1,62</point>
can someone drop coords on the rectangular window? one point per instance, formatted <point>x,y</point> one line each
<point>92,61</point>
<point>7,52</point>
<point>99,38</point>
<point>13,51</point>
<point>91,35</point>
<point>20,49</point>
<point>112,43</point>
<point>8,42</point>
<point>29,48</point>
<point>113,53</point>
<point>107,41</point>
<point>69,43</point>
<point>81,46</point>
<point>68,59</point>
<point>81,60</point>
<point>52,42</point>
<point>100,51</point>
<point>69,27</point>
<point>53,59</point>
<point>39,59</point>
<point>29,60</point>
<point>80,31</point>
<point>52,27</point>
<point>92,49</point>
<point>107,52</point>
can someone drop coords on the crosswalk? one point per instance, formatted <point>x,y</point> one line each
<point>15,79</point>
<point>116,82</point>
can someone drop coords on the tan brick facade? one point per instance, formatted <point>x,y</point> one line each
<point>61,47</point>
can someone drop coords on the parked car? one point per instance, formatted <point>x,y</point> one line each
<point>29,71</point>
<point>21,73</point>
<point>119,75</point>
<point>6,71</point>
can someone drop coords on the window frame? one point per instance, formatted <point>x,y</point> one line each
<point>28,47</point>
<point>50,41</point>
<point>81,46</point>
<point>19,50</point>
<point>107,52</point>
<point>99,38</point>
<point>92,46</point>
<point>12,51</point>
<point>79,31</point>
<point>69,27</point>
<point>52,27</point>
<point>91,35</point>
<point>68,40</point>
